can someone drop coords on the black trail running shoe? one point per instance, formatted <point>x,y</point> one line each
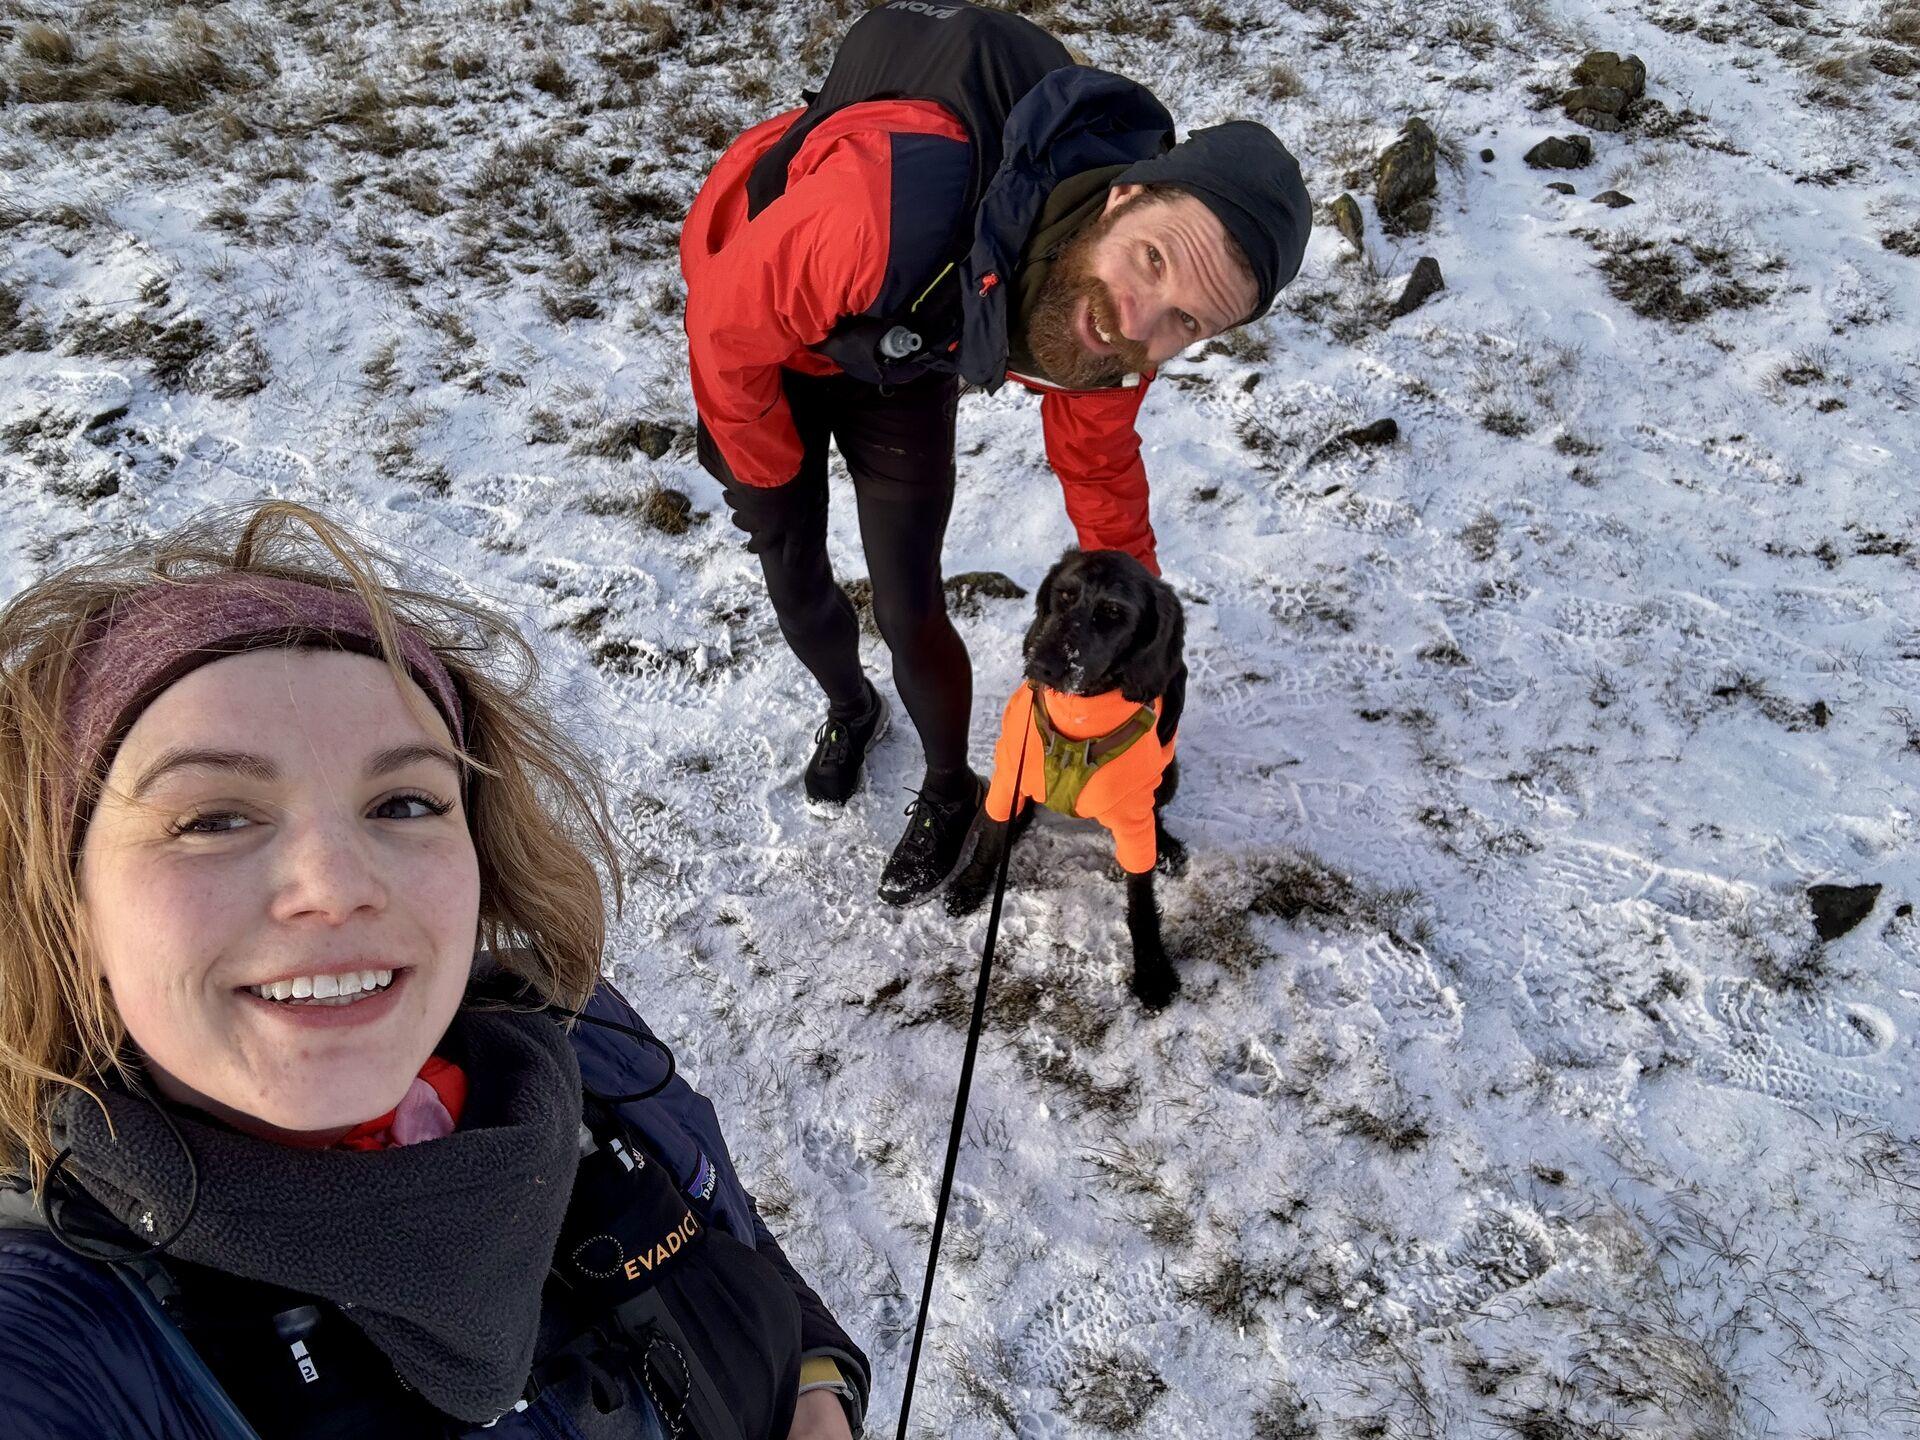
<point>840,750</point>
<point>936,833</point>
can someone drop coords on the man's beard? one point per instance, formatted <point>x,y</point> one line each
<point>1053,336</point>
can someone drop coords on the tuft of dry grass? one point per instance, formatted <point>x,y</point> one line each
<point>1900,23</point>
<point>1280,81</point>
<point>1232,1291</point>
<point>658,507</point>
<point>1112,1390</point>
<point>1284,1417</point>
<point>48,44</point>
<point>629,435</point>
<point>550,77</point>
<point>179,71</point>
<point>1678,282</point>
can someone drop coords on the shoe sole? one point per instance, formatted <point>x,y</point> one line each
<point>825,808</point>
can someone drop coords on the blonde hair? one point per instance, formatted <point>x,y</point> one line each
<point>535,804</point>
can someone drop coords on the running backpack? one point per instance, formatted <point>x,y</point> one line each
<point>977,63</point>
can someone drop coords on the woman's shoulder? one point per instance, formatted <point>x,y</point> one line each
<point>78,1354</point>
<point>40,1279</point>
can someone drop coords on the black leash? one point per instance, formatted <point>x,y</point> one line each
<point>966,1088</point>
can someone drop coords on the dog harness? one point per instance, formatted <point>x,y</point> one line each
<point>1092,757</point>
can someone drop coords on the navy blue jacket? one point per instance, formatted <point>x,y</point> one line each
<point>86,1354</point>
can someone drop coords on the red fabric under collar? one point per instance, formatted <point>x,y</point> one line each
<point>448,1082</point>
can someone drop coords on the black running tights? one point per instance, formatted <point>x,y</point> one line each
<point>897,442</point>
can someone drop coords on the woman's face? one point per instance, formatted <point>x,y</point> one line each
<point>278,823</point>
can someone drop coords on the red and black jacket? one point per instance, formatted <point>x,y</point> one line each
<point>875,195</point>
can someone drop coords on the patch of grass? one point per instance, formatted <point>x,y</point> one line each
<point>48,44</point>
<point>1291,886</point>
<point>230,218</point>
<point>1232,1291</point>
<point>1284,1416</point>
<point>658,507</point>
<point>987,1383</point>
<point>1678,282</point>
<point>1807,367</point>
<point>550,77</point>
<point>419,189</point>
<point>1742,688</point>
<point>1481,536</point>
<point>1908,723</point>
<point>379,368</point>
<point>1135,20</point>
<point>624,207</point>
<point>654,28</point>
<point>1111,1390</point>
<point>1476,34</point>
<point>562,306</point>
<point>74,122</point>
<point>627,436</point>
<point>81,217</point>
<point>181,70</point>
<point>1899,22</point>
<point>179,350</point>
<point>19,330</point>
<point>1399,1129</point>
<point>1280,81</point>
<point>85,487</point>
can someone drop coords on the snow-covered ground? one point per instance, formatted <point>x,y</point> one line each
<point>1512,1092</point>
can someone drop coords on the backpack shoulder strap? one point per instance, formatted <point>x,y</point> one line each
<point>150,1287</point>
<point>975,61</point>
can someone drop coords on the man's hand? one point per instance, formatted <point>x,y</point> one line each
<point>820,1417</point>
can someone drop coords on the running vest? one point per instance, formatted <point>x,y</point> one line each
<point>644,1294</point>
<point>977,63</point>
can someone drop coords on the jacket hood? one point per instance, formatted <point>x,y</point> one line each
<point>1077,118</point>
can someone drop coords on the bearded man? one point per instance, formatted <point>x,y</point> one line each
<point>961,202</point>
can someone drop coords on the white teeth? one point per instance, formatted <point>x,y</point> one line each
<point>326,989</point>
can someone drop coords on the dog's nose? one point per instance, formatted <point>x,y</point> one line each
<point>1047,669</point>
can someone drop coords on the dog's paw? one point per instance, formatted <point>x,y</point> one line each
<point>1171,858</point>
<point>1156,991</point>
<point>966,891</point>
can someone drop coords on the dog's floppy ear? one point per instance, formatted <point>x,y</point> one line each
<point>1149,665</point>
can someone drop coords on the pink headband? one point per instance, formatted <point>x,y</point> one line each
<point>172,628</point>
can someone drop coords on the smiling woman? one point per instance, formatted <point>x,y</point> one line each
<point>227,856</point>
<point>301,908</point>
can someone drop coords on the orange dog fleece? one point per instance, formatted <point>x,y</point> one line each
<point>1119,794</point>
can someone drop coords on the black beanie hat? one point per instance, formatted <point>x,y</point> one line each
<point>1242,173</point>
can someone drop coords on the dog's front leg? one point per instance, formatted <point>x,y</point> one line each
<point>975,881</point>
<point>1154,982</point>
<point>1169,850</point>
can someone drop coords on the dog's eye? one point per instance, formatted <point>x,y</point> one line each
<point>1108,613</point>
